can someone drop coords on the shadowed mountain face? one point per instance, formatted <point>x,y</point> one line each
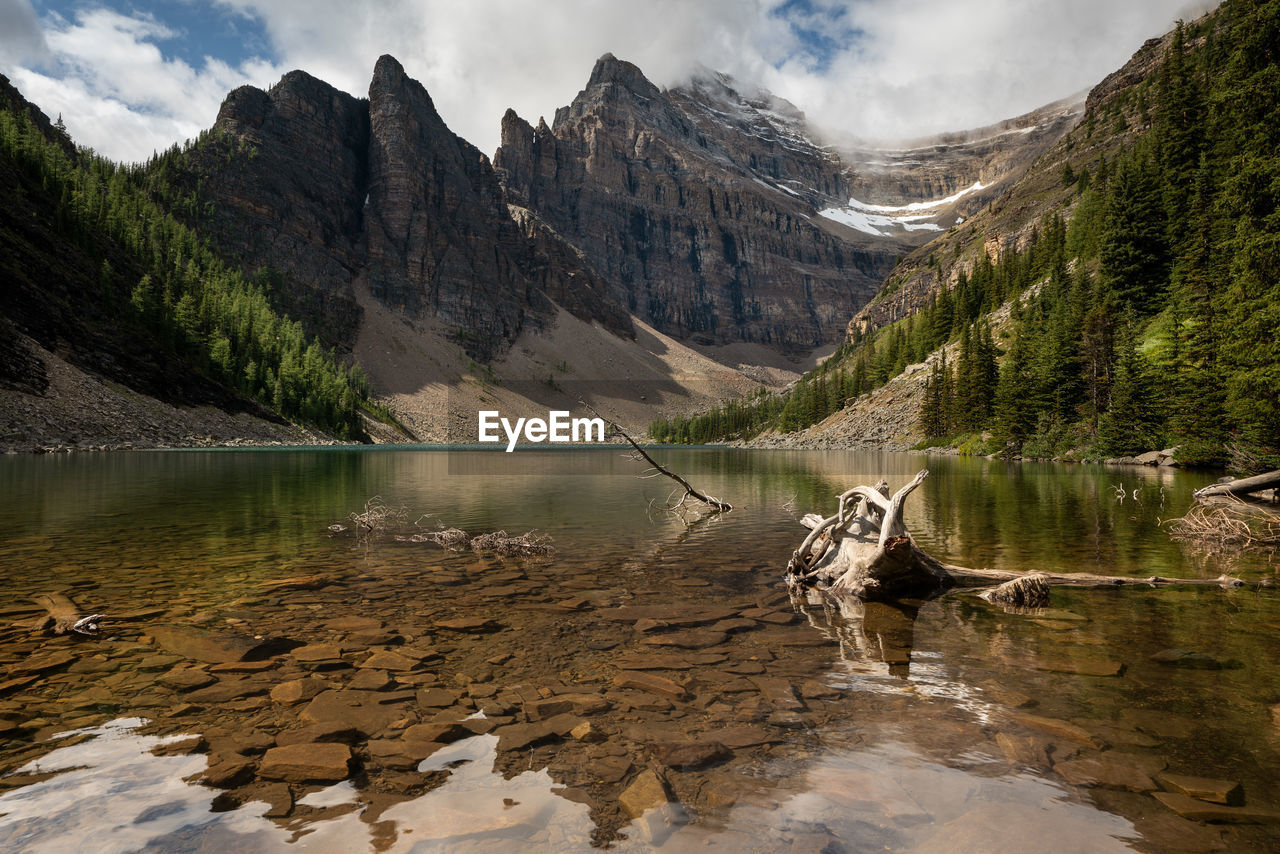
<point>714,215</point>
<point>337,193</point>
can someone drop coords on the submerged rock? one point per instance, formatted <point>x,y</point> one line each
<point>216,647</point>
<point>1110,770</point>
<point>1204,788</point>
<point>1190,659</point>
<point>647,790</point>
<point>324,762</point>
<point>1197,810</point>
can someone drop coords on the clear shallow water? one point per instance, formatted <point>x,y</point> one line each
<point>946,725</point>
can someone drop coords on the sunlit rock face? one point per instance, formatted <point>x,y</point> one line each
<point>698,206</point>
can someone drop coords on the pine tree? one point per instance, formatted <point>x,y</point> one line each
<point>1130,424</point>
<point>1133,250</point>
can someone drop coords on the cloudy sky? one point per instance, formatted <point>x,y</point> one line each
<point>133,76</point>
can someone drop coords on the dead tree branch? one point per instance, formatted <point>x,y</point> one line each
<point>1228,524</point>
<point>716,505</point>
<point>64,615</point>
<point>1241,486</point>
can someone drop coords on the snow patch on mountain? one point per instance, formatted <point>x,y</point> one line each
<point>882,220</point>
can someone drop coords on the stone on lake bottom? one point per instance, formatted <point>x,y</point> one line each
<point>328,731</point>
<point>647,790</point>
<point>276,796</point>
<point>521,736</point>
<point>691,639</point>
<point>1024,749</point>
<point>642,661</point>
<point>226,773</point>
<point>436,698</point>
<point>297,690</point>
<point>322,762</point>
<point>359,709</point>
<point>691,754</point>
<point>1082,667</point>
<point>43,663</point>
<point>1204,788</point>
<point>186,679</point>
<point>1108,771</point>
<point>371,680</point>
<point>740,737</point>
<point>1060,728</point>
<point>1197,810</point>
<point>400,754</point>
<point>387,660</point>
<point>443,733</point>
<point>318,652</point>
<point>1190,659</point>
<point>215,647</point>
<point>472,625</point>
<point>647,682</point>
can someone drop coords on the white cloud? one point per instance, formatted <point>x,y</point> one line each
<point>918,66</point>
<point>20,37</point>
<point>116,90</point>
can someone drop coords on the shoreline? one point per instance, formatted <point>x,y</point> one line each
<point>1152,459</point>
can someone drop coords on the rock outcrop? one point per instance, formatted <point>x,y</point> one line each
<point>697,206</point>
<point>279,184</point>
<point>331,193</point>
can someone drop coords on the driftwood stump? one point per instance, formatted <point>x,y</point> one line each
<point>63,617</point>
<point>865,551</point>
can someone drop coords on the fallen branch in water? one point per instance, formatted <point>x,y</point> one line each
<point>377,517</point>
<point>1242,486</point>
<point>530,544</point>
<point>716,505</point>
<point>1228,524</point>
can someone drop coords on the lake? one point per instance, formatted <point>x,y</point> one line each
<point>274,678</point>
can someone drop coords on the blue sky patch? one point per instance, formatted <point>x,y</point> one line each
<point>201,29</point>
<point>825,31</point>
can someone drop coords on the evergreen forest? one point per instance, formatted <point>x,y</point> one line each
<point>1143,314</point>
<point>158,278</point>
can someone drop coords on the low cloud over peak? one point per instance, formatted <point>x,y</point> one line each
<point>870,68</point>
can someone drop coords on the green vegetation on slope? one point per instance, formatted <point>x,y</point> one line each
<point>1157,320</point>
<point>1176,337</point>
<point>865,363</point>
<point>171,289</point>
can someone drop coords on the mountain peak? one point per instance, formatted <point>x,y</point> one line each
<point>610,69</point>
<point>388,68</point>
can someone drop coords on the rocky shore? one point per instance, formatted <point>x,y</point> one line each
<point>79,411</point>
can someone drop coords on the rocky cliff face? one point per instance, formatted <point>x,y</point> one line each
<point>337,193</point>
<point>706,210</point>
<point>697,206</point>
<point>280,183</point>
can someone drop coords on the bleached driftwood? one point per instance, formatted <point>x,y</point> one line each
<point>864,550</point>
<point>64,617</point>
<point>1242,486</point>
